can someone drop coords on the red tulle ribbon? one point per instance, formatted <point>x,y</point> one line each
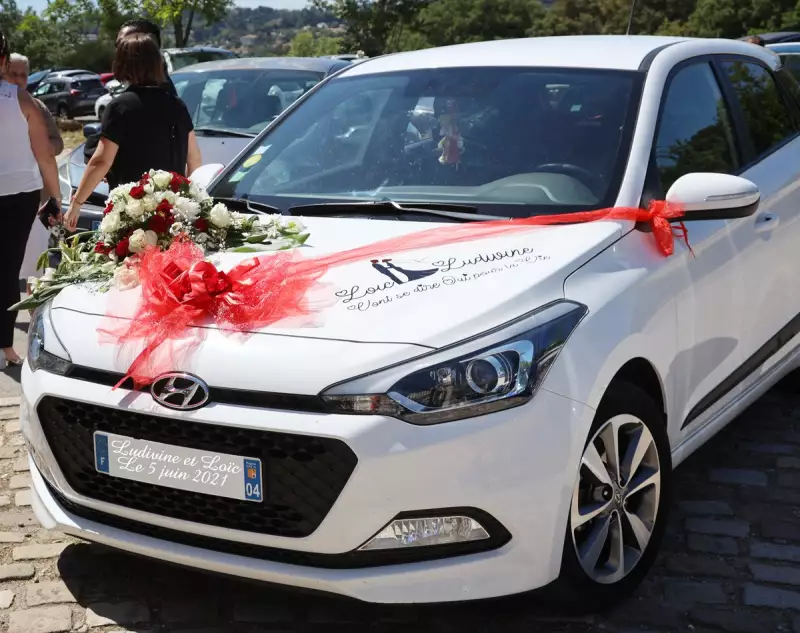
<point>180,288</point>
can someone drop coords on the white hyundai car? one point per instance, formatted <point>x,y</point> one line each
<point>473,419</point>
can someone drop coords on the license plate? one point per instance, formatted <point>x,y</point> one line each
<point>178,467</point>
<point>95,225</point>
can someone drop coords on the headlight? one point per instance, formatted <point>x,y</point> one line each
<point>38,356</point>
<point>64,182</point>
<point>497,370</point>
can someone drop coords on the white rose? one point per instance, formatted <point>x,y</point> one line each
<point>150,203</point>
<point>170,196</point>
<point>111,222</point>
<point>148,188</point>
<point>201,238</point>
<point>162,179</point>
<point>220,216</point>
<point>126,277</point>
<point>140,240</point>
<point>176,229</point>
<point>293,227</point>
<point>135,208</point>
<point>48,275</point>
<point>186,209</point>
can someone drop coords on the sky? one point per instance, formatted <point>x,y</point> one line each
<point>277,4</point>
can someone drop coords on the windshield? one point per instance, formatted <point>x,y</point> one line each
<point>39,74</point>
<point>241,100</point>
<point>181,60</point>
<point>510,141</point>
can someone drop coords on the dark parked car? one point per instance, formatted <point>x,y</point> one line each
<point>70,96</point>
<point>35,79</point>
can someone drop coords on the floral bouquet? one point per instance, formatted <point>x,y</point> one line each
<point>152,213</point>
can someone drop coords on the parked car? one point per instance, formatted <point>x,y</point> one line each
<point>36,78</point>
<point>70,96</point>
<point>106,77</point>
<point>113,88</point>
<point>177,58</point>
<point>230,101</point>
<point>776,38</point>
<point>472,419</point>
<point>789,54</point>
<point>71,72</point>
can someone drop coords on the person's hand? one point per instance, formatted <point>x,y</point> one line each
<point>71,218</point>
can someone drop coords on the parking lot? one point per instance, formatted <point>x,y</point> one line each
<point>730,562</point>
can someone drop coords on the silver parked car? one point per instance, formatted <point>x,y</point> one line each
<point>230,101</point>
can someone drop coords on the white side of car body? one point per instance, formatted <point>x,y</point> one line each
<point>692,318</point>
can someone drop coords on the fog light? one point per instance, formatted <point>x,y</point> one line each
<point>405,533</point>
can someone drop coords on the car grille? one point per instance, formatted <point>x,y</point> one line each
<point>302,475</point>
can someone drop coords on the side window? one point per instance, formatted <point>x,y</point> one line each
<point>695,132</point>
<point>767,114</point>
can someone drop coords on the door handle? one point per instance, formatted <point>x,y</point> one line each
<point>766,222</point>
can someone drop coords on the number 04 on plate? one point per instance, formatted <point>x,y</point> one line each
<point>178,467</point>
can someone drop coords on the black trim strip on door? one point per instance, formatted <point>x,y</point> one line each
<point>761,356</point>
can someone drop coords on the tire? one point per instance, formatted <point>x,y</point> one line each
<point>62,111</point>
<point>576,590</point>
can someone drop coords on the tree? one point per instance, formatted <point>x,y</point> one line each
<point>305,44</point>
<point>735,18</point>
<point>459,21</point>
<point>10,18</point>
<point>181,14</point>
<point>373,26</point>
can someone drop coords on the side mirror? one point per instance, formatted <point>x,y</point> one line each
<point>91,129</point>
<point>205,174</point>
<point>706,196</point>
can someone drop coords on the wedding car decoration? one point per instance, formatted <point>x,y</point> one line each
<point>152,213</point>
<point>179,287</point>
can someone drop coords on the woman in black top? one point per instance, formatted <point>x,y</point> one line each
<point>144,128</point>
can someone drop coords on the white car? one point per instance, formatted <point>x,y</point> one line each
<point>477,418</point>
<point>114,88</point>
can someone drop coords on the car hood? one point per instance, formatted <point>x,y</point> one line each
<point>428,297</point>
<point>213,149</point>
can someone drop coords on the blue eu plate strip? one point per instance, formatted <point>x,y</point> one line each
<point>101,452</point>
<point>252,480</point>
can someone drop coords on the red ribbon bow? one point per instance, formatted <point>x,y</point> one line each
<point>179,288</point>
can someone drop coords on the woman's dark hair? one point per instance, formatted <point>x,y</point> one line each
<point>140,26</point>
<point>138,61</point>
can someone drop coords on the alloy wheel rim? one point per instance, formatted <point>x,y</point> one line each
<point>615,500</point>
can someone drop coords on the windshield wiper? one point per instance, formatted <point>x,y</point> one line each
<point>252,207</point>
<point>462,212</point>
<point>221,131</point>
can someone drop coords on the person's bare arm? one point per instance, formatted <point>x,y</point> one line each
<point>40,144</point>
<point>52,130</point>
<point>193,158</point>
<point>96,170</point>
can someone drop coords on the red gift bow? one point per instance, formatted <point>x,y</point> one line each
<point>179,288</point>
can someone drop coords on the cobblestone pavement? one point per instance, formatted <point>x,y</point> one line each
<point>730,562</point>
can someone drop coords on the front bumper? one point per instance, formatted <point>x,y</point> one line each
<point>518,466</point>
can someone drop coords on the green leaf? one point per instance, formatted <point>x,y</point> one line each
<point>256,239</point>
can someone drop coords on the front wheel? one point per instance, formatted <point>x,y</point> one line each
<point>619,503</point>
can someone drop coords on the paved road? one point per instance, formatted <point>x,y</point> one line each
<point>731,562</point>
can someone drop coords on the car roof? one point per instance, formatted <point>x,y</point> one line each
<point>197,49</point>
<point>775,38</point>
<point>317,64</point>
<point>612,52</point>
<point>788,47</point>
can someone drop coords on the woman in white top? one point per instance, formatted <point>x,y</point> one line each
<point>27,165</point>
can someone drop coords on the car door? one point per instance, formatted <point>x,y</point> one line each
<point>695,133</point>
<point>769,123</point>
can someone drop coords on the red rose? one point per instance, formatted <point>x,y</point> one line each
<point>177,182</point>
<point>137,192</point>
<point>164,207</point>
<point>159,223</point>
<point>108,208</point>
<point>122,248</point>
<point>145,179</point>
<point>201,224</point>
<point>102,248</point>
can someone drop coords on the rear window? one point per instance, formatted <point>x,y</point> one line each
<point>86,85</point>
